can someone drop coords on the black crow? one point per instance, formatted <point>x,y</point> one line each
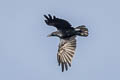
<point>67,35</point>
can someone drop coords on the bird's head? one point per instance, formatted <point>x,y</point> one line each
<point>57,34</point>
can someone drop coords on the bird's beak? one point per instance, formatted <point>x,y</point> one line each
<point>49,35</point>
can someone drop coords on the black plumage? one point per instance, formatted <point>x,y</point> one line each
<point>67,35</point>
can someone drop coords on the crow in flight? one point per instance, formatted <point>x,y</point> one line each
<point>67,35</point>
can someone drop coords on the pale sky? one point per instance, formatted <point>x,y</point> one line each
<point>27,54</point>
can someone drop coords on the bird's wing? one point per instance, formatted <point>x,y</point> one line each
<point>60,24</point>
<point>66,52</point>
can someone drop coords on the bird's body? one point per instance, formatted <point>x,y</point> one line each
<point>67,35</point>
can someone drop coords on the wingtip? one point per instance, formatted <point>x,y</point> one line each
<point>54,17</point>
<point>62,65</point>
<point>46,21</point>
<point>46,16</point>
<point>50,17</point>
<point>66,67</point>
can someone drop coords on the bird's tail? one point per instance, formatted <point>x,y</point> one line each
<point>81,31</point>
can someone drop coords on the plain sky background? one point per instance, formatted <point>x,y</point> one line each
<point>27,54</point>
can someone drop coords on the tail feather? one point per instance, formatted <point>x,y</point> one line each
<point>81,31</point>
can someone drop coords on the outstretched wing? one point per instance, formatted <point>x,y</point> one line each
<point>60,24</point>
<point>66,52</point>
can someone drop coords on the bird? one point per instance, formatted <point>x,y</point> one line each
<point>67,35</point>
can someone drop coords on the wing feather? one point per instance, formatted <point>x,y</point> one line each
<point>60,24</point>
<point>66,52</point>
